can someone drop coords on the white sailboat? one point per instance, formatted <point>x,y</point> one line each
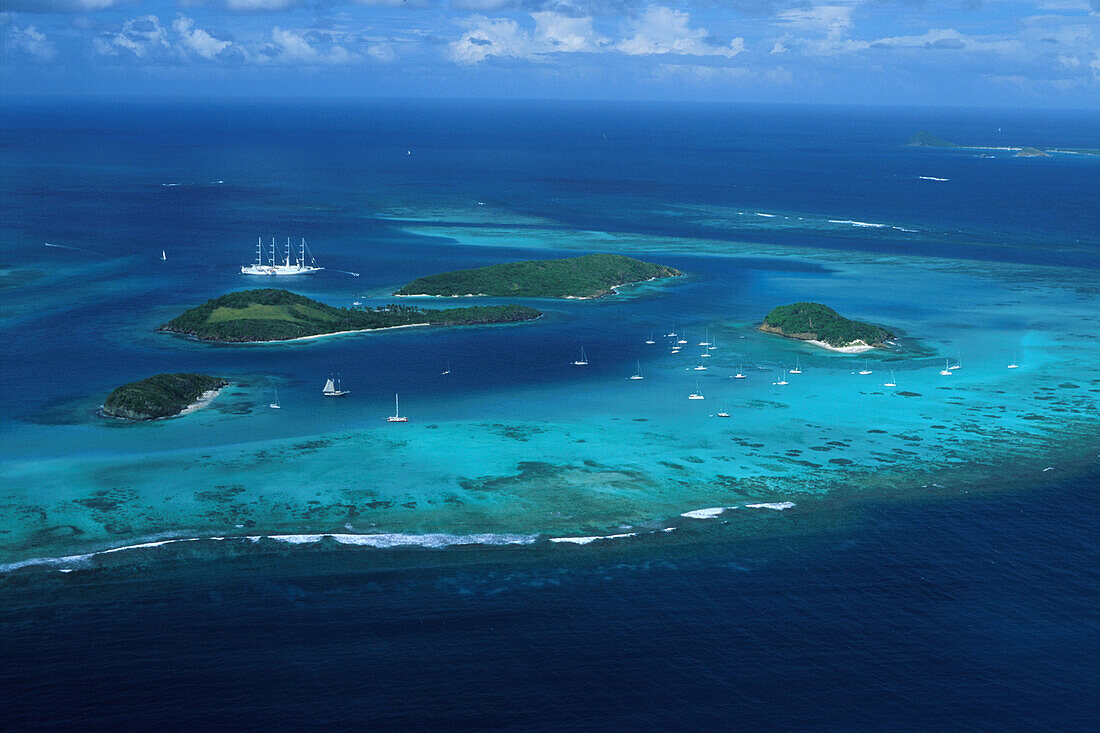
<point>163,256</point>
<point>448,369</point>
<point>682,341</point>
<point>723,413</point>
<point>274,267</point>
<point>866,369</point>
<point>797,367</point>
<point>275,405</point>
<point>740,372</point>
<point>946,369</point>
<point>583,361</point>
<point>650,339</point>
<point>780,381</point>
<point>396,416</point>
<point>697,394</point>
<point>706,341</point>
<point>958,363</point>
<point>1013,365</point>
<point>891,383</point>
<point>638,374</point>
<point>701,367</point>
<point>334,388</point>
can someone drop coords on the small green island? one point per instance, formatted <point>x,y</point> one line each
<point>823,326</point>
<point>162,395</point>
<point>252,316</point>
<point>590,276</point>
<point>925,139</point>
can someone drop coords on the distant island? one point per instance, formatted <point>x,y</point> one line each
<point>163,395</point>
<point>250,316</point>
<point>590,276</point>
<point>925,139</point>
<point>823,326</point>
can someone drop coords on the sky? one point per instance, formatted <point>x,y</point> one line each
<point>990,53</point>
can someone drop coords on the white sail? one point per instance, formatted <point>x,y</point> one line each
<point>275,267</point>
<point>330,387</point>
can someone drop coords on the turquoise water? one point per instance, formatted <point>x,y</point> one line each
<point>516,444</point>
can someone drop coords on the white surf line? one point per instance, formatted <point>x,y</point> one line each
<point>436,540</point>
<point>776,505</point>
<point>587,540</point>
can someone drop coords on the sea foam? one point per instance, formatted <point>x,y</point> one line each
<point>587,540</point>
<point>381,541</point>
<point>709,513</point>
<point>776,505</point>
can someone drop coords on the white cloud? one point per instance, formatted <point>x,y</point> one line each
<point>505,38</point>
<point>291,47</point>
<point>665,30</point>
<point>565,33</point>
<point>832,20</point>
<point>59,6</point>
<point>31,43</point>
<point>197,41</point>
<point>142,37</point>
<point>487,37</point>
<point>950,39</point>
<point>258,4</point>
<point>382,52</point>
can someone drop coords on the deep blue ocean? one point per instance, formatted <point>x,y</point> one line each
<point>970,608</point>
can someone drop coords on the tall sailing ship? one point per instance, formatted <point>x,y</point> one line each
<point>299,266</point>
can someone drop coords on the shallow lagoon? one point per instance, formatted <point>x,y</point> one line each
<point>516,440</point>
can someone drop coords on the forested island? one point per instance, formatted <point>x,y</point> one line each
<point>590,276</point>
<point>162,395</point>
<point>270,314</point>
<point>821,325</point>
<point>925,139</point>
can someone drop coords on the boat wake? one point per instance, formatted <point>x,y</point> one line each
<point>74,249</point>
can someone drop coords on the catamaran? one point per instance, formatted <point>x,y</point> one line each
<point>396,416</point>
<point>946,369</point>
<point>273,267</point>
<point>334,388</point>
<point>583,361</point>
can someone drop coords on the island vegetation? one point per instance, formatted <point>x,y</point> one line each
<point>270,314</point>
<point>590,276</point>
<point>163,395</point>
<point>925,139</point>
<point>819,323</point>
